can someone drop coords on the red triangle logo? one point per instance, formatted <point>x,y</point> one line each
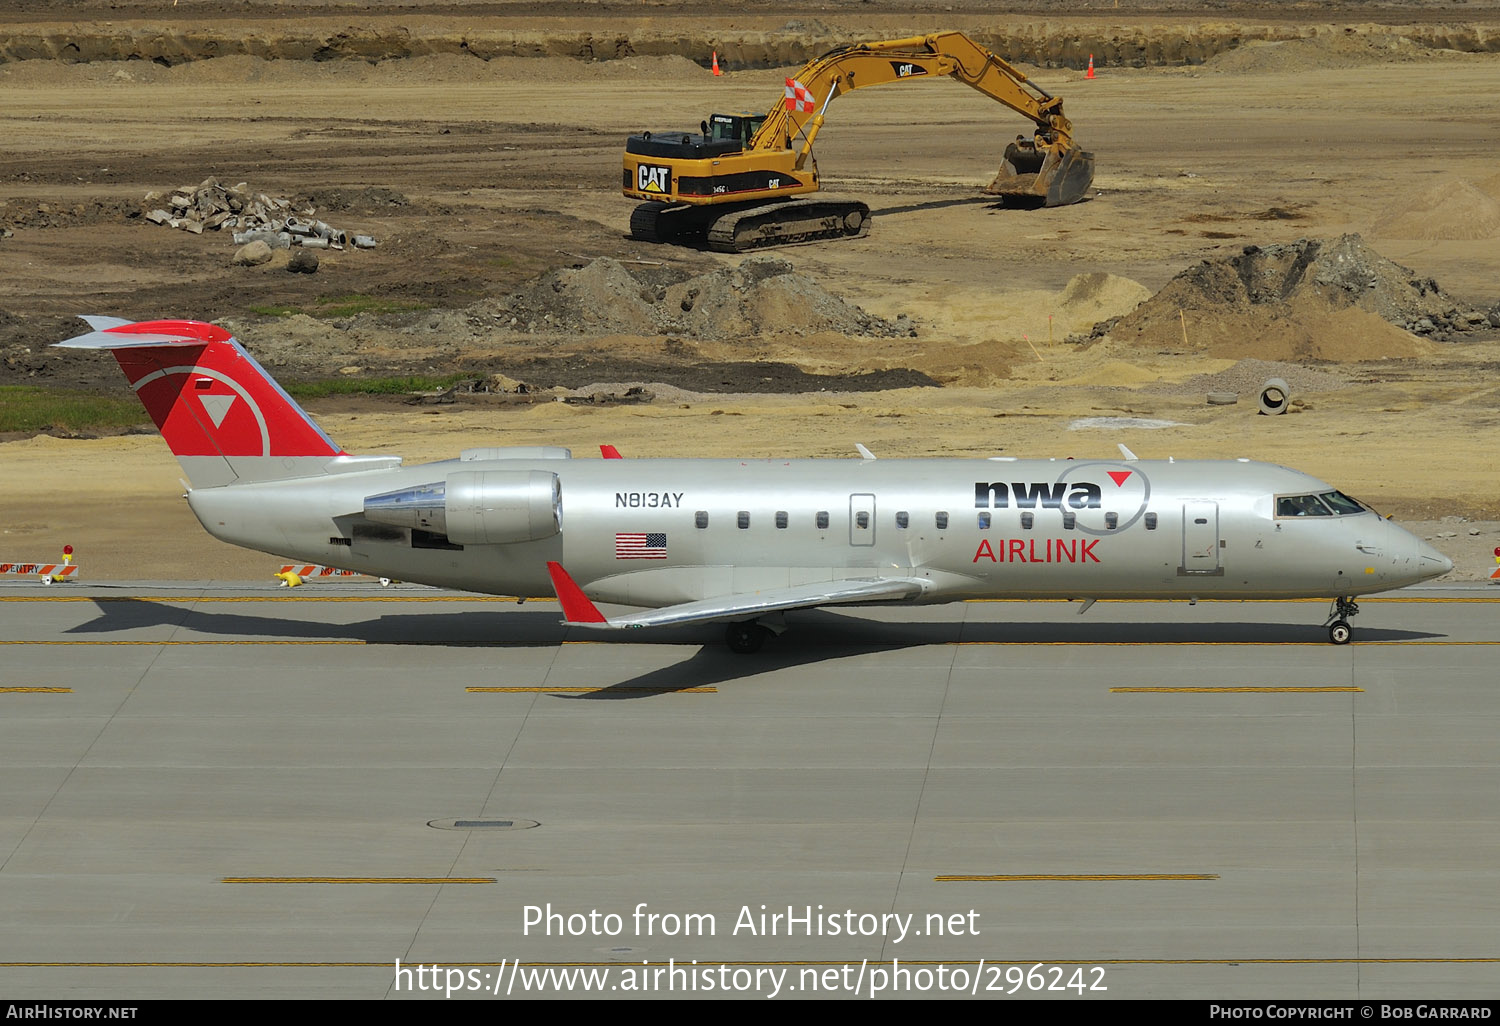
<point>1119,476</point>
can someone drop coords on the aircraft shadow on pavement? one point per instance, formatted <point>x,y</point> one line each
<point>811,637</point>
<point>824,636</point>
<point>506,626</point>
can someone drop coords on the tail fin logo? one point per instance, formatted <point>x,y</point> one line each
<point>217,407</point>
<point>187,430</point>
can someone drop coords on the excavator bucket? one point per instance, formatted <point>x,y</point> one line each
<point>1052,175</point>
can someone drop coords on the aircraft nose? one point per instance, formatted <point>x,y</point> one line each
<point>1430,562</point>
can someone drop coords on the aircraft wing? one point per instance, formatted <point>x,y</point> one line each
<point>580,612</point>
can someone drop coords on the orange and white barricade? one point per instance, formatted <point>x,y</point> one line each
<point>293,575</point>
<point>48,572</point>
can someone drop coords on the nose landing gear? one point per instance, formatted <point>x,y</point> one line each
<point>1339,631</point>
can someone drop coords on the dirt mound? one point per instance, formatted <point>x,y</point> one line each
<point>1455,209</point>
<point>1322,51</point>
<point>1310,299</point>
<point>763,296</point>
<point>1246,378</point>
<point>1090,298</point>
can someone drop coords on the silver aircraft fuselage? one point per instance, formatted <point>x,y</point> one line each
<point>742,542</point>
<point>996,528</point>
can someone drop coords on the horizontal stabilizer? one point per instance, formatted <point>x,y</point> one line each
<point>116,333</point>
<point>112,340</point>
<point>580,612</point>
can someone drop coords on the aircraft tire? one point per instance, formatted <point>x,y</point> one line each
<point>745,638</point>
<point>1339,632</point>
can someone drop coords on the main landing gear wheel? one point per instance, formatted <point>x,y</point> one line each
<point>745,637</point>
<point>1339,631</point>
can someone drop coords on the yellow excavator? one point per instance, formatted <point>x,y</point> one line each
<point>735,182</point>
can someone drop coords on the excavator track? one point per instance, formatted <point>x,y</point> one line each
<point>789,224</point>
<point>664,222</point>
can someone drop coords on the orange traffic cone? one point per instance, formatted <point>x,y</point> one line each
<point>716,63</point>
<point>1091,67</point>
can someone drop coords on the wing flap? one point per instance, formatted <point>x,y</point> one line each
<point>743,606</point>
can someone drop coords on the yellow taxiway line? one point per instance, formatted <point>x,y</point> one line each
<point>1074,877</point>
<point>1230,690</point>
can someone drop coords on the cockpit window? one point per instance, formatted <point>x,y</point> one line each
<point>1301,506</point>
<point>1341,503</point>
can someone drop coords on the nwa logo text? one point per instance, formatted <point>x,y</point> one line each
<point>653,178</point>
<point>1036,495</point>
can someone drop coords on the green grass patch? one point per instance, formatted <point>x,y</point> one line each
<point>29,408</point>
<point>351,305</point>
<point>372,386</point>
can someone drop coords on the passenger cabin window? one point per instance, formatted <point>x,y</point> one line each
<point>862,520</point>
<point>1301,506</point>
<point>941,520</point>
<point>1069,519</point>
<point>781,519</point>
<point>822,520</point>
<point>984,521</point>
<point>700,518</point>
<point>1150,521</point>
<point>903,519</point>
<point>1027,519</point>
<point>1111,521</point>
<point>743,519</point>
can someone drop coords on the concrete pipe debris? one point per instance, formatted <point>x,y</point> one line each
<point>1223,398</point>
<point>247,215</point>
<point>1275,397</point>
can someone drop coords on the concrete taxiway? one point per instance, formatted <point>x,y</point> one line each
<point>241,792</point>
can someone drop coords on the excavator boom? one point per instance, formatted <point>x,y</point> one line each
<point>721,183</point>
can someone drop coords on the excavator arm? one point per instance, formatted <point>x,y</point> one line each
<point>862,65</point>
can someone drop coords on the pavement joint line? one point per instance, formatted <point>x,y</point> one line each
<point>1074,877</point>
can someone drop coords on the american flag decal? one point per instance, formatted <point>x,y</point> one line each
<point>638,545</point>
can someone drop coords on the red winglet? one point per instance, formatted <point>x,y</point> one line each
<point>609,452</point>
<point>576,605</point>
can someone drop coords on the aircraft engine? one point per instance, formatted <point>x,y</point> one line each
<point>484,507</point>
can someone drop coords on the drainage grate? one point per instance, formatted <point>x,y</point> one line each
<point>483,824</point>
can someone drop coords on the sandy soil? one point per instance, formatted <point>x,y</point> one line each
<point>507,169</point>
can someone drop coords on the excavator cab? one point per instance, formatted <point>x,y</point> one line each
<point>740,128</point>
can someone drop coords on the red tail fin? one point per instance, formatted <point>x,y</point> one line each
<point>220,413</point>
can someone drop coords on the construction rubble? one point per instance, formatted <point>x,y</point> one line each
<point>251,216</point>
